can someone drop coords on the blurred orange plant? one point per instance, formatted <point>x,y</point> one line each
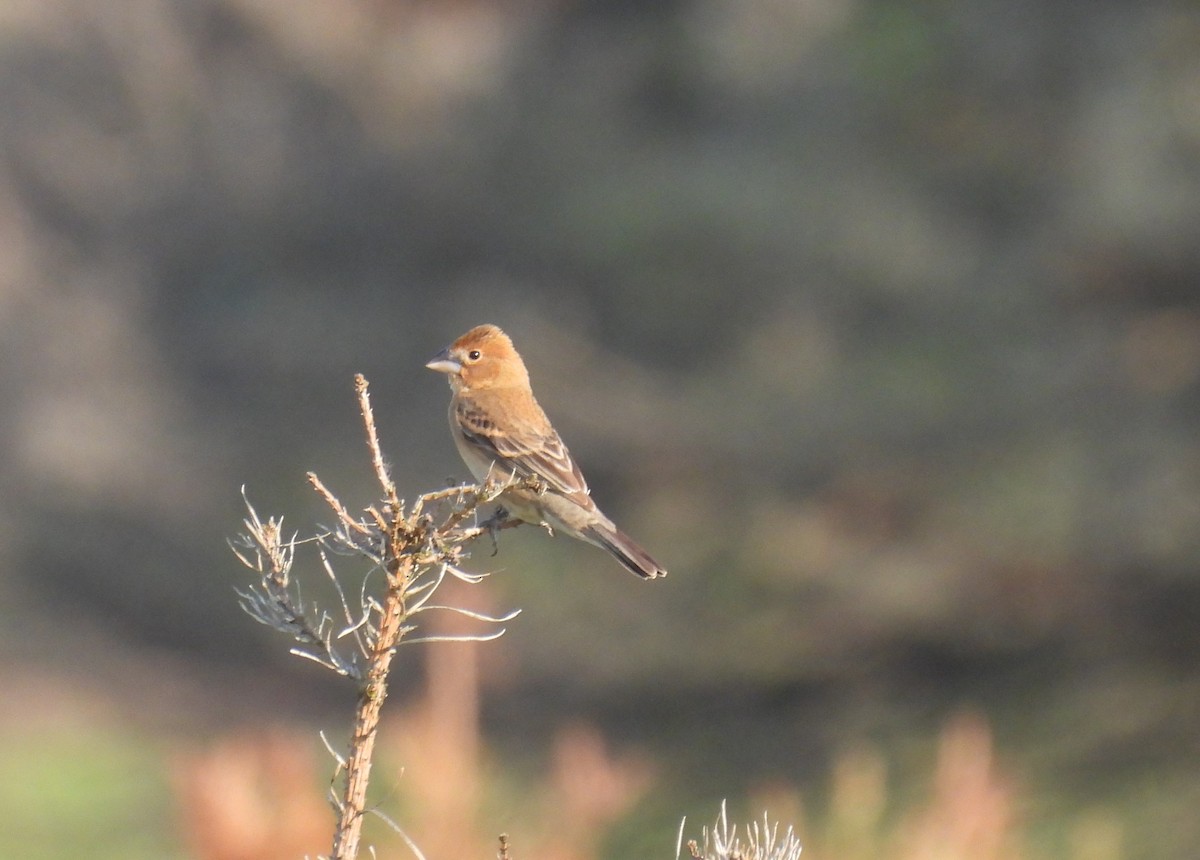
<point>252,795</point>
<point>256,795</point>
<point>437,741</point>
<point>970,813</point>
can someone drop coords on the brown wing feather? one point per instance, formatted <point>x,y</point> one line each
<point>527,453</point>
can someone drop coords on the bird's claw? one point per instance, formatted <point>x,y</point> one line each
<point>493,524</point>
<point>535,484</point>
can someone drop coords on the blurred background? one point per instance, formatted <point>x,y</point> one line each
<point>877,322</point>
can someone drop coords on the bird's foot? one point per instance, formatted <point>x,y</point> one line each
<point>501,519</point>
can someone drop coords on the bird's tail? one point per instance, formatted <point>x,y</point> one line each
<point>625,550</point>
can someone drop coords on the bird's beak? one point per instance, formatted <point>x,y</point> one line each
<point>443,363</point>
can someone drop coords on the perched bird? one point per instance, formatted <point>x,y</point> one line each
<point>500,430</point>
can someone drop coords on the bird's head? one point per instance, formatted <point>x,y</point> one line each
<point>484,357</point>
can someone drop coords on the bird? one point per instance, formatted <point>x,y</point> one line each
<point>502,433</point>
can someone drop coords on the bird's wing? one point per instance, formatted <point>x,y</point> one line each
<point>528,452</point>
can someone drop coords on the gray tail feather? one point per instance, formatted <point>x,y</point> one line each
<point>625,550</point>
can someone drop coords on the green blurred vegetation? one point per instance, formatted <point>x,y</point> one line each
<point>96,793</point>
<point>878,322</point>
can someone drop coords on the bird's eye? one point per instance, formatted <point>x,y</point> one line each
<point>473,355</point>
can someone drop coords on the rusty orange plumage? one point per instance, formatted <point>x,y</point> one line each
<point>501,431</point>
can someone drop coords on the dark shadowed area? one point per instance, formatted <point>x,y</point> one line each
<point>877,323</point>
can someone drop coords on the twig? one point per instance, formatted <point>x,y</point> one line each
<point>361,387</point>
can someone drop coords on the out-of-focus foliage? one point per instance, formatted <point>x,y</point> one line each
<point>878,322</point>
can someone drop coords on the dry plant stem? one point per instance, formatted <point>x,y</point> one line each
<point>391,629</point>
<point>366,719</point>
<point>364,405</point>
